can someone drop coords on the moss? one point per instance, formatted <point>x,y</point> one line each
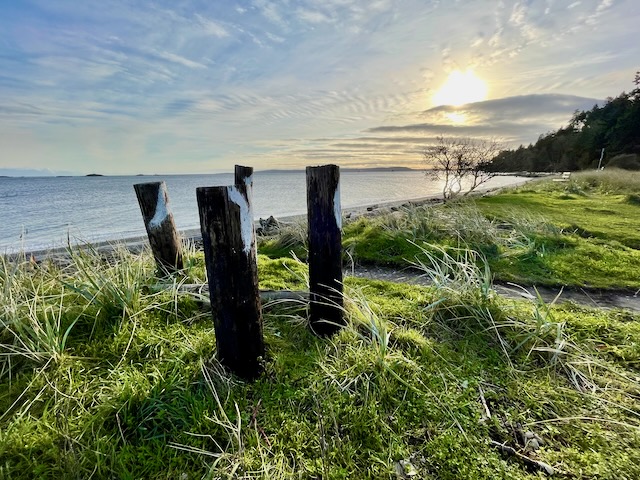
<point>401,386</point>
<point>530,236</point>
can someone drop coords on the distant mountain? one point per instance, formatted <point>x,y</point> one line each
<point>26,172</point>
<point>33,172</point>
<point>347,169</point>
<point>381,169</point>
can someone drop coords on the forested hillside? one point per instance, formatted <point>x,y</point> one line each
<point>614,126</point>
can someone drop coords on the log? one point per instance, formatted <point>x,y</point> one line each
<point>325,249</point>
<point>161,229</point>
<point>228,238</point>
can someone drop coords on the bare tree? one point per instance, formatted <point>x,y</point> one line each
<point>461,162</point>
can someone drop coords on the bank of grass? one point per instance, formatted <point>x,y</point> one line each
<point>581,233</point>
<point>108,372</point>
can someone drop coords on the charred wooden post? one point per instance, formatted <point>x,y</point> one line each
<point>325,249</point>
<point>161,229</point>
<point>228,238</point>
<point>244,176</point>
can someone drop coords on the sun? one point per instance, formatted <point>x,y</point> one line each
<point>461,88</point>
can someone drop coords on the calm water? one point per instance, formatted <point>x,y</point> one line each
<point>39,213</point>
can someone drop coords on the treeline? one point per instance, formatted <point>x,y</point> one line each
<point>615,126</point>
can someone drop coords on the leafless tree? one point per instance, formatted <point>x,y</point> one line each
<point>461,162</point>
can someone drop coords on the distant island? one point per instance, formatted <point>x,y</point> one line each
<point>95,175</point>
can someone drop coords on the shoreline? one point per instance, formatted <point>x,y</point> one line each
<point>138,243</point>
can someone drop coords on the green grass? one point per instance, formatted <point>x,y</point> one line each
<point>108,372</point>
<point>103,374</point>
<point>582,233</point>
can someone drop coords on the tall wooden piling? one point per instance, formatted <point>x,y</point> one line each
<point>228,236</point>
<point>161,229</point>
<point>325,249</point>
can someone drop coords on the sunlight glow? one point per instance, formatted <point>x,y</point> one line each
<point>461,88</point>
<point>456,117</point>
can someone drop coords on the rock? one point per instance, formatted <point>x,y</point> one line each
<point>405,469</point>
<point>532,445</point>
<point>268,227</point>
<point>531,440</point>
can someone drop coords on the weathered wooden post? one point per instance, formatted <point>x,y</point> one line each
<point>244,176</point>
<point>228,237</point>
<point>161,229</point>
<point>325,249</point>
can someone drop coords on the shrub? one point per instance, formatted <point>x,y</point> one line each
<point>629,161</point>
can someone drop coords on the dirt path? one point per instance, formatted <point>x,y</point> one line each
<point>587,297</point>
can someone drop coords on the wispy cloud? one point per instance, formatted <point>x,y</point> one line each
<point>211,27</point>
<point>512,121</point>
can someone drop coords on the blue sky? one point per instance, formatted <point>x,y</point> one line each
<point>126,86</point>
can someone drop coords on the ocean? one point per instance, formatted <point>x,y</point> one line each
<point>39,213</point>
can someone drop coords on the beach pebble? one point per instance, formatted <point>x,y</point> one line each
<point>532,441</point>
<point>405,469</point>
<point>532,444</point>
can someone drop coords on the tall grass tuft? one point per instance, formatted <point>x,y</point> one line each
<point>462,280</point>
<point>609,181</point>
<point>460,272</point>
<point>463,223</point>
<point>113,285</point>
<point>34,321</point>
<point>460,220</point>
<point>45,306</point>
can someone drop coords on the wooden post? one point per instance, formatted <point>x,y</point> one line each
<point>325,249</point>
<point>228,237</point>
<point>244,176</point>
<point>161,229</point>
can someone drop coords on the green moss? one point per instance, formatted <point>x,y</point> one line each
<point>541,236</point>
<point>401,386</point>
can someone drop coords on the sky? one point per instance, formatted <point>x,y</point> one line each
<point>160,87</point>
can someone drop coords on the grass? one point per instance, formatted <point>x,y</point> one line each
<point>109,372</point>
<point>583,233</point>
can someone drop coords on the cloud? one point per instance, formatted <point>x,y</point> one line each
<point>172,57</point>
<point>512,120</point>
<point>517,119</point>
<point>601,8</point>
<point>133,86</point>
<point>312,16</point>
<point>211,27</point>
<point>271,11</point>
